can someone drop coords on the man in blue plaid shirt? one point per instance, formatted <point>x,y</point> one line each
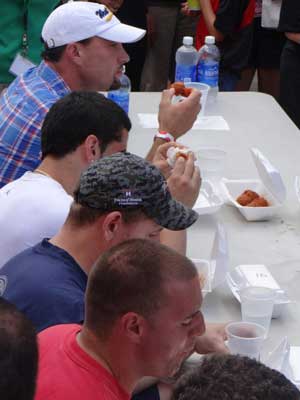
<point>77,37</point>
<point>83,51</point>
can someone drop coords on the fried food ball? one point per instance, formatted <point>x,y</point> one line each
<point>175,152</point>
<point>258,202</point>
<point>246,197</point>
<point>180,89</point>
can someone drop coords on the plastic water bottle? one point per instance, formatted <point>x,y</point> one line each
<point>186,61</point>
<point>208,67</point>
<point>121,96</point>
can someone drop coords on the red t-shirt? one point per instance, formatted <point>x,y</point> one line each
<point>66,372</point>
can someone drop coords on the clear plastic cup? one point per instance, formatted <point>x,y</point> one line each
<point>257,305</point>
<point>204,272</point>
<point>203,88</point>
<point>245,338</point>
<point>211,161</point>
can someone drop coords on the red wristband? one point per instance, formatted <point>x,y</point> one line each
<point>165,136</point>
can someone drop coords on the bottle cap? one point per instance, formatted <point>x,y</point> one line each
<point>210,40</point>
<point>188,40</point>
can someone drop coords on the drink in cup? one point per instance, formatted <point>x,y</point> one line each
<point>257,305</point>
<point>245,338</point>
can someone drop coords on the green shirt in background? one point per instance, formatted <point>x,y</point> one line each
<point>12,27</point>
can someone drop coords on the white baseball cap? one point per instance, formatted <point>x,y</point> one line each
<point>79,20</point>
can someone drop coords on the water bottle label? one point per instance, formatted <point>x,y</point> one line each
<point>120,98</point>
<point>185,71</point>
<point>208,72</point>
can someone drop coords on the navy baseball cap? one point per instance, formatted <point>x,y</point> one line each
<point>125,181</point>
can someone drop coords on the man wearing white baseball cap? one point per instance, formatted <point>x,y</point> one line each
<point>82,20</point>
<point>83,51</point>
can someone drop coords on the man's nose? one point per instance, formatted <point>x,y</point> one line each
<point>198,327</point>
<point>124,57</point>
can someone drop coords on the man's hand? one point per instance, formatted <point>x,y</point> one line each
<point>178,118</point>
<point>160,158</point>
<point>212,341</point>
<point>184,181</point>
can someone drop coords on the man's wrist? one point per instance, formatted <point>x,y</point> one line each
<point>164,135</point>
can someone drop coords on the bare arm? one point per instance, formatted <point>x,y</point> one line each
<point>209,18</point>
<point>177,118</point>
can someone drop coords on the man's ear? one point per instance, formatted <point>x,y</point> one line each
<point>133,326</point>
<point>112,225</point>
<point>72,52</point>
<point>92,148</point>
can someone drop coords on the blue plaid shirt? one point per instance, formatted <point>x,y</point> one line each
<point>23,107</point>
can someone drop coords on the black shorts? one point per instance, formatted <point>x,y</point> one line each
<point>267,46</point>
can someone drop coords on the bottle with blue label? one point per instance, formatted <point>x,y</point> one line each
<point>121,95</point>
<point>186,61</point>
<point>208,67</point>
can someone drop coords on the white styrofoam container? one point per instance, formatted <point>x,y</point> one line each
<point>235,187</point>
<point>208,201</point>
<point>270,186</point>
<point>204,269</point>
<point>256,275</point>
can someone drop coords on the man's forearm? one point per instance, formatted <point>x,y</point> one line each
<point>157,142</point>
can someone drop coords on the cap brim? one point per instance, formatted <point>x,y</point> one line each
<point>123,33</point>
<point>175,216</point>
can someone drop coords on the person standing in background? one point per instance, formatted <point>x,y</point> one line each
<point>267,45</point>
<point>230,22</point>
<point>167,26</point>
<point>290,60</point>
<point>21,23</point>
<point>133,12</point>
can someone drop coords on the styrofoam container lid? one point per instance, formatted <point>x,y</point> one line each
<point>204,271</point>
<point>256,275</point>
<point>208,201</point>
<point>269,175</point>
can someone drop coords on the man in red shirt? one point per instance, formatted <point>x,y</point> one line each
<point>142,316</point>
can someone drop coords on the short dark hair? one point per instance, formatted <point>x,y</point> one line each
<point>80,216</point>
<point>54,54</point>
<point>132,276</point>
<point>18,354</point>
<point>222,377</point>
<point>76,116</point>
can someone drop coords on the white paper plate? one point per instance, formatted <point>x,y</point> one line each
<point>208,201</point>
